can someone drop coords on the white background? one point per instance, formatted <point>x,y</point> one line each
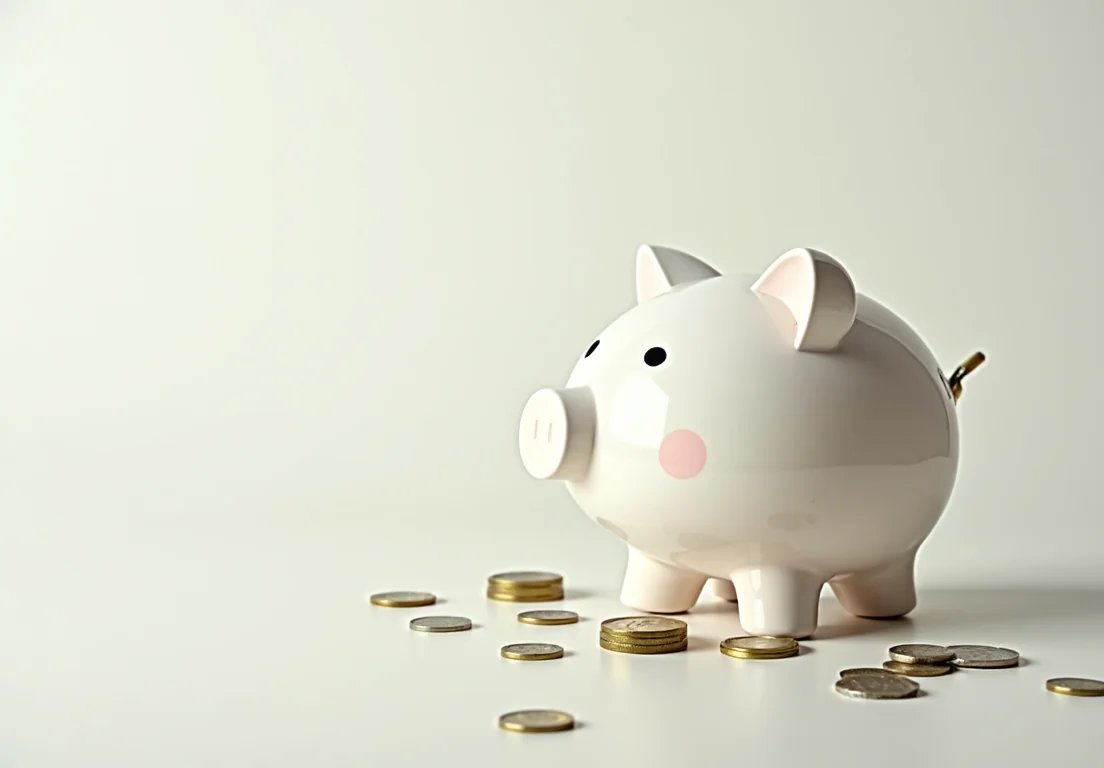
<point>277,278</point>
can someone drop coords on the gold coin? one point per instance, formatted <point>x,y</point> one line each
<point>761,645</point>
<point>510,597</point>
<point>523,579</point>
<point>532,651</point>
<point>520,586</point>
<point>636,627</point>
<point>917,670</point>
<point>536,721</point>
<point>921,653</point>
<point>644,650</point>
<point>741,653</point>
<point>1075,686</point>
<point>548,618</point>
<point>630,640</point>
<point>402,599</point>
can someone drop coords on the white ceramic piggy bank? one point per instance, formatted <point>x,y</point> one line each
<point>771,432</point>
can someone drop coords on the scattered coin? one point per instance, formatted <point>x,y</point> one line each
<point>642,627</point>
<point>402,599</point>
<point>983,657</point>
<point>916,670</point>
<point>1075,686</point>
<point>536,721</point>
<point>548,618</point>
<point>532,651</point>
<point>441,624</point>
<point>760,647</point>
<point>645,650</point>
<point>921,653</point>
<point>877,687</point>
<point>864,671</point>
<point>525,586</point>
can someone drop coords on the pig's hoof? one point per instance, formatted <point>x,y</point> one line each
<point>723,589</point>
<point>777,601</point>
<point>884,593</point>
<point>655,587</point>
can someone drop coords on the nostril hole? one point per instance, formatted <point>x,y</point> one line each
<point>550,431</point>
<point>536,426</point>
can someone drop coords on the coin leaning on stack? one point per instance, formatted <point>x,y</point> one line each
<point>525,587</point>
<point>648,635</point>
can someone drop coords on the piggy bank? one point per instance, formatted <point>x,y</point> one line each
<point>769,433</point>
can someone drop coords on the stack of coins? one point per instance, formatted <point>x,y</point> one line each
<point>919,660</point>
<point>643,635</point>
<point>760,647</point>
<point>525,587</point>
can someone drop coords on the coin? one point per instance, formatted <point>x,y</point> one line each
<point>402,599</point>
<point>441,624</point>
<point>864,671</point>
<point>644,627</point>
<point>548,618</point>
<point>631,640</point>
<point>536,721</point>
<point>532,651</point>
<point>916,670</point>
<point>1075,686</point>
<point>983,657</point>
<point>754,644</point>
<point>760,647</point>
<point>644,650</point>
<point>877,687</point>
<point>522,579</point>
<point>920,653</point>
<point>737,653</point>
<point>526,597</point>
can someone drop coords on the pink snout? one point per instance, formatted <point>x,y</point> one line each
<point>556,434</point>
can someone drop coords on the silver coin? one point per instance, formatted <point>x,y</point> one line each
<point>441,624</point>
<point>864,671</point>
<point>877,687</point>
<point>920,653</point>
<point>983,657</point>
<point>532,651</point>
<point>548,617</point>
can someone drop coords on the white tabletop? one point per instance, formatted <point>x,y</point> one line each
<point>258,648</point>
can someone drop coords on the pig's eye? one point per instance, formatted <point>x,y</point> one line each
<point>655,356</point>
<point>593,347</point>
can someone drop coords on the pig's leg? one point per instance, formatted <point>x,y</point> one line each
<point>881,593</point>
<point>776,601</point>
<point>656,587</point>
<point>723,589</point>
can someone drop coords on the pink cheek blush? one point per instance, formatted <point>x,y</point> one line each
<point>682,454</point>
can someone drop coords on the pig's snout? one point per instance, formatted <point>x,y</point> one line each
<point>556,435</point>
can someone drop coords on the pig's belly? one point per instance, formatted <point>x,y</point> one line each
<point>829,521</point>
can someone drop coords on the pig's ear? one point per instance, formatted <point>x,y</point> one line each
<point>817,292</point>
<point>660,269</point>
